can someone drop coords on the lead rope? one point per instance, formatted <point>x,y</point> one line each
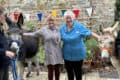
<point>14,68</point>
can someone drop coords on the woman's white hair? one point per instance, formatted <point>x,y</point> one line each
<point>69,13</point>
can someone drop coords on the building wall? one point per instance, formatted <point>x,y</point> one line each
<point>103,12</point>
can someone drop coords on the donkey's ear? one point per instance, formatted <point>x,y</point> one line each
<point>8,21</point>
<point>20,20</point>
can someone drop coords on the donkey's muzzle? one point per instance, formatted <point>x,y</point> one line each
<point>14,47</point>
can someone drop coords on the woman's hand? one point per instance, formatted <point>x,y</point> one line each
<point>10,54</point>
<point>96,36</point>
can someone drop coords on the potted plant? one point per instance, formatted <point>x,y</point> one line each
<point>90,44</point>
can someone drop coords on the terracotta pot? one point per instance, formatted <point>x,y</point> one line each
<point>96,64</point>
<point>87,62</point>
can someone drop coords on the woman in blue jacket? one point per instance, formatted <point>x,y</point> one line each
<point>4,53</point>
<point>74,52</point>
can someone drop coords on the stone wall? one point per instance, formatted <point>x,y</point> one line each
<point>103,12</point>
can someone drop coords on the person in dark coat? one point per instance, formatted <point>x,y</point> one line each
<point>4,53</point>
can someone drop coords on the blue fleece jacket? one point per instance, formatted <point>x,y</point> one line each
<point>73,46</point>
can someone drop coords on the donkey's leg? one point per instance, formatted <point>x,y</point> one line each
<point>20,69</point>
<point>37,64</point>
<point>115,62</point>
<point>29,67</point>
<point>36,60</point>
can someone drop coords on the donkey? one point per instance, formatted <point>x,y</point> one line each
<point>106,46</point>
<point>115,30</point>
<point>27,46</point>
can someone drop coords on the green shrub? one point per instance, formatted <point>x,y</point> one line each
<point>91,45</point>
<point>30,25</point>
<point>41,53</point>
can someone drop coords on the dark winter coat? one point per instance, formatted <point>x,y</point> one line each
<point>4,60</point>
<point>117,45</point>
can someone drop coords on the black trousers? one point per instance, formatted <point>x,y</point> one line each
<point>54,69</point>
<point>4,73</point>
<point>74,68</point>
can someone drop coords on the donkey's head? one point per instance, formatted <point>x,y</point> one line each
<point>15,33</point>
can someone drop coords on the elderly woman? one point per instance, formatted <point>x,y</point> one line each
<point>74,52</point>
<point>53,55</point>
